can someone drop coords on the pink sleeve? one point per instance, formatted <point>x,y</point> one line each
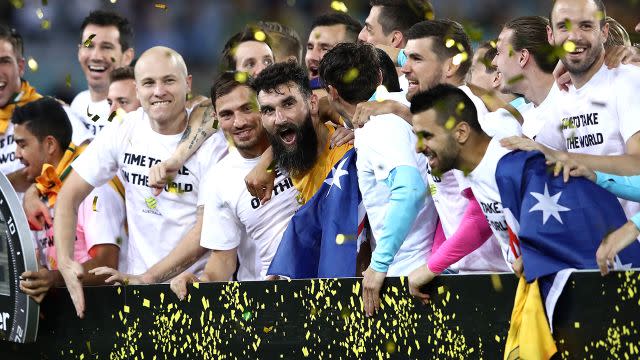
<point>438,238</point>
<point>473,231</point>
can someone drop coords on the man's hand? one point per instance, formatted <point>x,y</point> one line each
<point>372,108</point>
<point>259,182</point>
<point>162,173</point>
<point>518,267</point>
<point>371,285</point>
<point>116,276</point>
<point>36,284</point>
<point>419,278</point>
<point>581,170</point>
<point>72,272</point>
<point>36,210</point>
<point>563,79</point>
<point>613,244</point>
<point>616,55</point>
<point>179,284</point>
<point>340,137</point>
<point>521,143</point>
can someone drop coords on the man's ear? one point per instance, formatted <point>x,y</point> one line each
<point>461,132</point>
<point>127,56</point>
<point>332,93</point>
<point>51,145</point>
<point>450,69</point>
<point>550,38</point>
<point>397,39</point>
<point>524,58</point>
<point>313,103</point>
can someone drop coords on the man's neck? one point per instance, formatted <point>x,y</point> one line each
<point>98,94</point>
<point>323,136</point>
<point>348,111</point>
<point>537,86</point>
<point>474,151</point>
<point>254,151</point>
<point>579,80</point>
<point>170,127</point>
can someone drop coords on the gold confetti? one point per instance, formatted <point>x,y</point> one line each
<point>33,64</point>
<point>449,43</point>
<point>241,77</point>
<point>497,338</point>
<point>196,285</point>
<point>339,6</point>
<point>45,24</point>
<point>382,93</point>
<point>18,4</point>
<point>515,79</point>
<point>440,290</point>
<point>460,58</point>
<point>451,122</point>
<point>260,35</point>
<point>67,80</point>
<point>146,303</point>
<point>305,352</point>
<point>496,282</point>
<point>126,309</point>
<point>569,46</point>
<point>340,239</point>
<point>267,329</point>
<point>350,75</point>
<point>113,1</point>
<point>459,108</point>
<point>429,15</point>
<point>95,203</point>
<point>88,42</point>
<point>576,325</point>
<point>39,13</point>
<point>161,6</point>
<point>391,347</point>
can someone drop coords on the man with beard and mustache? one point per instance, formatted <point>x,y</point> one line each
<point>300,141</point>
<point>595,122</point>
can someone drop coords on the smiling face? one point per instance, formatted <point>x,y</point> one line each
<point>252,57</point>
<point>423,68</point>
<point>578,21</point>
<point>162,84</point>
<point>30,151</point>
<point>372,31</point>
<point>321,40</point>
<point>507,62</point>
<point>103,54</point>
<point>11,69</point>
<point>122,95</point>
<point>240,119</point>
<point>435,142</point>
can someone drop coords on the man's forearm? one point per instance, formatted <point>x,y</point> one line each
<point>221,265</point>
<point>64,224</point>
<point>624,165</point>
<point>202,120</point>
<point>19,180</point>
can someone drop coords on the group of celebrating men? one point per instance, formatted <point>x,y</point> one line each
<point>137,181</point>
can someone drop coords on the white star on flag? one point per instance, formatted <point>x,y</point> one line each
<point>548,205</point>
<point>336,173</point>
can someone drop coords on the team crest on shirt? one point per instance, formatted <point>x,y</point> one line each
<point>151,202</point>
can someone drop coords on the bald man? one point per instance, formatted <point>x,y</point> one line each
<point>156,224</point>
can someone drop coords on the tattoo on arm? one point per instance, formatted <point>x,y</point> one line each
<point>206,117</point>
<point>186,134</point>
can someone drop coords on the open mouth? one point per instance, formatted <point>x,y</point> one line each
<point>313,70</point>
<point>288,135</point>
<point>97,68</point>
<point>243,134</point>
<point>413,84</point>
<point>160,102</point>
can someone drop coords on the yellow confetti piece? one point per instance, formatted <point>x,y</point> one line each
<point>449,43</point>
<point>161,6</point>
<point>113,1</point>
<point>460,58</point>
<point>576,325</point>
<point>39,13</point>
<point>95,204</point>
<point>497,338</point>
<point>382,93</point>
<point>88,42</point>
<point>241,77</point>
<point>33,64</point>
<point>340,239</point>
<point>350,75</point>
<point>45,24</point>
<point>126,309</point>
<point>18,4</point>
<point>496,282</point>
<point>459,108</point>
<point>569,46</point>
<point>339,6</point>
<point>196,285</point>
<point>440,290</point>
<point>260,35</point>
<point>146,303</point>
<point>305,352</point>
<point>267,329</point>
<point>451,122</point>
<point>391,347</point>
<point>67,80</point>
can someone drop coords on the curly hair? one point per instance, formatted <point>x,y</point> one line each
<point>280,74</point>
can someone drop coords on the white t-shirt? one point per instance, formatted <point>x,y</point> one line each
<point>498,123</point>
<point>485,188</point>
<point>102,223</point>
<point>87,110</point>
<point>597,119</point>
<point>451,204</point>
<point>235,219</point>
<point>384,143</point>
<point>534,116</point>
<point>156,224</point>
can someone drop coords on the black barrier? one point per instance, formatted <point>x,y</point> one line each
<point>467,318</point>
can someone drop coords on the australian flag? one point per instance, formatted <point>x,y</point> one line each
<point>558,225</point>
<point>322,238</point>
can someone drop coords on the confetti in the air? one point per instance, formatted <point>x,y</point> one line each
<point>33,64</point>
<point>496,282</point>
<point>241,77</point>
<point>515,79</point>
<point>18,4</point>
<point>382,93</point>
<point>460,58</point>
<point>449,43</point>
<point>88,42</point>
<point>45,24</point>
<point>113,1</point>
<point>339,6</point>
<point>451,122</point>
<point>351,75</point>
<point>260,35</point>
<point>569,46</point>
<point>161,6</point>
<point>95,203</point>
<point>39,13</point>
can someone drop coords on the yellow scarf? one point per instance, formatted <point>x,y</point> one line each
<point>27,94</point>
<point>50,180</point>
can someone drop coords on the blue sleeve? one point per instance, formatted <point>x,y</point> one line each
<point>402,58</point>
<point>625,187</point>
<point>408,192</point>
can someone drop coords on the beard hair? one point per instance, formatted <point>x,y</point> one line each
<point>585,65</point>
<point>303,156</point>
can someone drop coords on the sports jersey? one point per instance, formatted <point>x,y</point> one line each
<point>387,142</point>
<point>156,224</point>
<point>235,219</point>
<point>310,182</point>
<point>534,116</point>
<point>94,115</point>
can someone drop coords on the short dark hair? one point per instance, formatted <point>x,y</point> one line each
<point>400,15</point>
<point>45,117</point>
<point>446,100</point>
<point>12,37</point>
<point>442,31</point>
<point>110,18</point>
<point>618,35</point>
<point>389,73</point>
<point>487,57</point>
<point>352,25</point>
<point>225,84</point>
<point>281,74</point>
<point>599,5</point>
<point>284,39</point>
<point>530,32</point>
<point>353,69</point>
<point>248,33</point>
<point>122,73</point>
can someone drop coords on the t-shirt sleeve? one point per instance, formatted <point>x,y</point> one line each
<point>99,162</point>
<point>380,145</point>
<point>103,215</point>
<point>501,124</point>
<point>221,229</point>
<point>627,87</point>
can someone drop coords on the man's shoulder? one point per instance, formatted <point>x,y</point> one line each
<point>81,98</point>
